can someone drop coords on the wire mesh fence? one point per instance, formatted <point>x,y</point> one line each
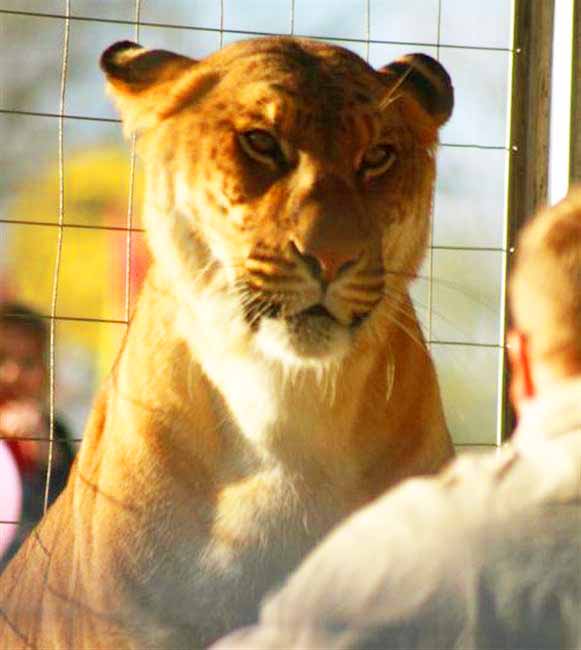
<point>71,238</point>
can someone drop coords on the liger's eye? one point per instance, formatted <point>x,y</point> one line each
<point>377,160</point>
<point>261,146</point>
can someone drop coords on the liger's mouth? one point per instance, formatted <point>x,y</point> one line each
<point>256,311</point>
<point>318,311</point>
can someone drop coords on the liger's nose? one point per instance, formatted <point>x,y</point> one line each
<point>326,264</point>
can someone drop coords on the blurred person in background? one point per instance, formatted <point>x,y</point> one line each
<point>10,497</point>
<point>24,418</point>
<point>486,555</point>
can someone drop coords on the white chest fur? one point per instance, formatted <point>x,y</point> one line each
<point>270,404</point>
<point>267,401</point>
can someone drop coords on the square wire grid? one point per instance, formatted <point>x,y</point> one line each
<point>463,316</point>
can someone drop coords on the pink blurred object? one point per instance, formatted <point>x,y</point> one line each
<point>10,497</point>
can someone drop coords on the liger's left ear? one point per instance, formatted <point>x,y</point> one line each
<point>149,85</point>
<point>426,81</point>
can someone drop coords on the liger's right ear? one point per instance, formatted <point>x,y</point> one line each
<point>146,85</point>
<point>130,68</point>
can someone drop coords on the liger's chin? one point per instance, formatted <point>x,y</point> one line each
<point>311,338</point>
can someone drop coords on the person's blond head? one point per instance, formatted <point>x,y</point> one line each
<point>545,285</point>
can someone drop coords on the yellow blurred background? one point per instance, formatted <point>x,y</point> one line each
<point>101,264</point>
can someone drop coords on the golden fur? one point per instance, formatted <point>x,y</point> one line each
<point>274,377</point>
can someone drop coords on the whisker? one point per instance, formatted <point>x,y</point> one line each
<point>390,371</point>
<point>389,98</point>
<point>392,315</point>
<point>448,284</point>
<point>417,304</point>
<point>408,331</point>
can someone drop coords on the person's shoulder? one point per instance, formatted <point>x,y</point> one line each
<point>483,468</point>
<point>470,477</point>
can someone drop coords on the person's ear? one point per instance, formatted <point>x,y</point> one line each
<point>522,387</point>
